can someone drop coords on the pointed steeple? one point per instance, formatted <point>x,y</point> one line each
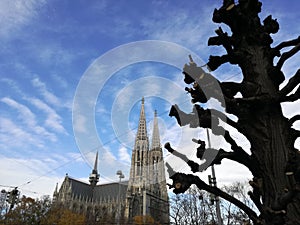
<point>142,128</point>
<point>155,133</point>
<point>94,176</point>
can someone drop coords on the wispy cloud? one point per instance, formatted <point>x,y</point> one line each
<point>17,13</point>
<point>53,120</point>
<point>13,85</point>
<point>29,119</point>
<point>12,135</point>
<point>48,96</point>
<point>181,27</point>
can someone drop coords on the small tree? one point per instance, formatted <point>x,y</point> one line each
<point>274,161</point>
<point>28,211</point>
<point>61,216</point>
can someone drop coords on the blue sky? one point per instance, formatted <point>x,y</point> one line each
<point>49,48</point>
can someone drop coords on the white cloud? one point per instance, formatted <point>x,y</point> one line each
<point>53,120</point>
<point>16,13</point>
<point>12,135</point>
<point>29,119</point>
<point>124,155</point>
<point>48,96</point>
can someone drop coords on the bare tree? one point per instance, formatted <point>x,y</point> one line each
<point>197,207</point>
<point>273,160</point>
<point>191,208</point>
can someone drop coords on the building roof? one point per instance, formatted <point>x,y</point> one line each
<point>111,191</point>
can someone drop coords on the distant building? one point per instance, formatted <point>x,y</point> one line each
<point>145,194</point>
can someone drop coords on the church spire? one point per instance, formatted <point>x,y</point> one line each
<point>94,176</point>
<point>142,128</point>
<point>155,133</point>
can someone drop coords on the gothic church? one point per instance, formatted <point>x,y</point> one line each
<point>144,195</point>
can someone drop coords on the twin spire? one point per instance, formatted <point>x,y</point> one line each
<point>141,135</point>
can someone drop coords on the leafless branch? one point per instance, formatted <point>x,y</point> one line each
<point>215,61</point>
<point>221,39</point>
<point>294,119</point>
<point>292,97</point>
<point>286,55</point>
<point>292,83</point>
<point>289,43</point>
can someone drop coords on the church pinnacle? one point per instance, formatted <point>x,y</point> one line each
<point>155,133</point>
<point>142,128</point>
<point>94,176</point>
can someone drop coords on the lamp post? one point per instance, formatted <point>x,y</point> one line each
<point>121,176</point>
<point>213,182</point>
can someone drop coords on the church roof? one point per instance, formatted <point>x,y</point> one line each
<point>80,188</point>
<point>111,190</point>
<point>100,192</point>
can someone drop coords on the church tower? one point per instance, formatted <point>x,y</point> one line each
<point>139,160</point>
<point>147,191</point>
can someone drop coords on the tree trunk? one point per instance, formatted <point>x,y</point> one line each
<point>274,161</point>
<point>269,134</point>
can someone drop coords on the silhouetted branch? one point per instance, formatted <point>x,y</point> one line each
<point>233,144</point>
<point>294,119</point>
<point>292,97</point>
<point>212,157</point>
<point>194,166</point>
<point>225,119</point>
<point>292,83</point>
<point>221,39</point>
<point>181,182</point>
<point>201,118</point>
<point>198,118</point>
<point>286,55</point>
<point>239,157</point>
<point>255,195</point>
<point>215,61</point>
<point>289,43</point>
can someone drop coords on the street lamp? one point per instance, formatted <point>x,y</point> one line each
<point>213,182</point>
<point>121,176</point>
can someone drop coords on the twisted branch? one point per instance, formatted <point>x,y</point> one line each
<point>286,55</point>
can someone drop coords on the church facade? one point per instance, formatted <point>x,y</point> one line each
<point>143,196</point>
